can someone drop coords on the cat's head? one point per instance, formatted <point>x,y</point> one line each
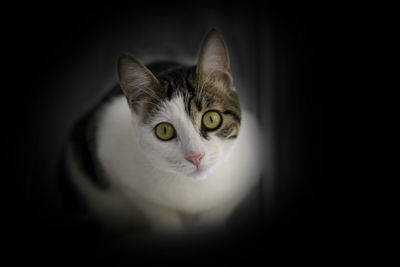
<point>189,117</point>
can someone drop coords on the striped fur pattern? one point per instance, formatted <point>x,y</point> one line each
<point>199,97</point>
<point>181,96</point>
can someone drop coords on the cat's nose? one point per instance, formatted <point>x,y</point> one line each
<point>195,159</point>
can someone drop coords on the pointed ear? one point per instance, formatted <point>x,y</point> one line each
<point>137,81</point>
<point>213,63</point>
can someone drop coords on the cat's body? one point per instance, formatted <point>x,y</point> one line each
<point>127,178</point>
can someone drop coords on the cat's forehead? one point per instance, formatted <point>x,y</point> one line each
<point>196,94</point>
<point>180,95</point>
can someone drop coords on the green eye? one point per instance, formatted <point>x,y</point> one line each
<point>165,131</point>
<point>211,120</point>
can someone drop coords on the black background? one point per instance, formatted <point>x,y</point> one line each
<point>43,39</point>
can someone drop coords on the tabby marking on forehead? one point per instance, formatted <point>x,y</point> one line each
<point>198,97</point>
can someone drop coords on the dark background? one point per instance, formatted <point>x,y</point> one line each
<point>61,56</point>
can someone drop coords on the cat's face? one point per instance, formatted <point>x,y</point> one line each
<point>189,117</point>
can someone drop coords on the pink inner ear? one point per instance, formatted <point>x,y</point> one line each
<point>213,56</point>
<point>223,77</point>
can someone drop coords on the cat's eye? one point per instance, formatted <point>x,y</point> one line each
<point>165,131</point>
<point>211,120</point>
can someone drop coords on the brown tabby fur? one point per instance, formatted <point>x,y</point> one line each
<point>199,97</point>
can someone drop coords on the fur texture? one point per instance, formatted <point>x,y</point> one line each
<point>141,186</point>
<point>151,182</point>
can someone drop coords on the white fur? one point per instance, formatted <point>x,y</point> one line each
<point>152,176</point>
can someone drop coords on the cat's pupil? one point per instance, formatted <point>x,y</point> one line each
<point>211,119</point>
<point>165,130</point>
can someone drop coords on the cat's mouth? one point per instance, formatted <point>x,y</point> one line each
<point>196,172</point>
<point>199,172</point>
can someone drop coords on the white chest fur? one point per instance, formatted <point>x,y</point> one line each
<point>124,162</point>
<point>135,179</point>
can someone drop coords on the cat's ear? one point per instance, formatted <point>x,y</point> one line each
<point>137,81</point>
<point>213,63</point>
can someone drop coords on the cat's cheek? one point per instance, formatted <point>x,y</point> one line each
<point>214,149</point>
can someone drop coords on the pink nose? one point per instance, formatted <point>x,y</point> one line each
<point>195,159</point>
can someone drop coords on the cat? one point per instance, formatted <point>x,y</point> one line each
<point>169,142</point>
